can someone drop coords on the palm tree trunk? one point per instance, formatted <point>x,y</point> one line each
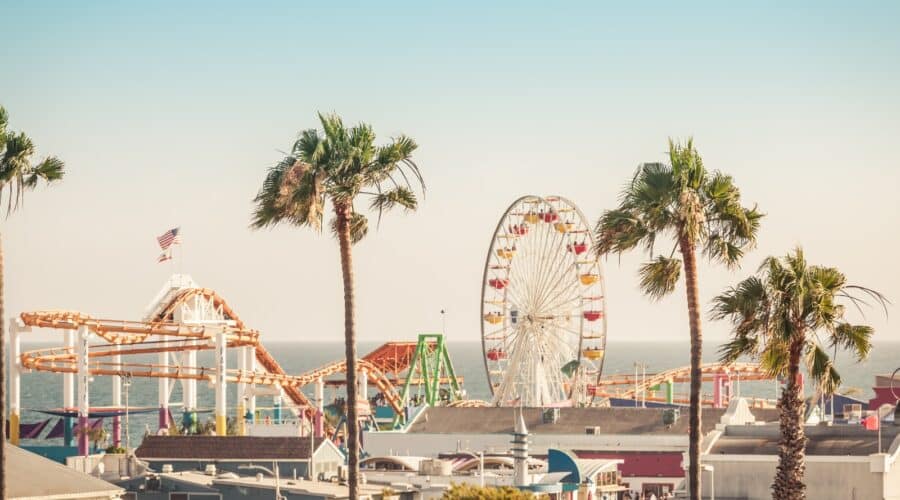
<point>788,484</point>
<point>689,254</point>
<point>343,224</point>
<point>2,382</point>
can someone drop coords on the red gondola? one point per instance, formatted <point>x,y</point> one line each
<point>578,248</point>
<point>593,315</point>
<point>498,283</point>
<point>495,354</point>
<point>519,229</point>
<point>551,217</point>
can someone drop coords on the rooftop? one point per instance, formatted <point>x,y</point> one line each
<point>34,476</point>
<point>495,420</point>
<point>836,440</point>
<point>225,448</point>
<point>299,486</point>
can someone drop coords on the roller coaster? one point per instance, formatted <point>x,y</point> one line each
<point>185,319</point>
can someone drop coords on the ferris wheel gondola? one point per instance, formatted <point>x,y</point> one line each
<point>543,306</point>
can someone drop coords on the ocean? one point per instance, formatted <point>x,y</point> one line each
<point>42,391</point>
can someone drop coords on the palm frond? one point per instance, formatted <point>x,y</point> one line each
<point>388,200</point>
<point>618,231</point>
<point>821,369</point>
<point>49,170</point>
<point>4,123</point>
<point>854,338</point>
<point>17,172</point>
<point>359,227</point>
<point>659,277</point>
<point>720,249</point>
<point>738,346</point>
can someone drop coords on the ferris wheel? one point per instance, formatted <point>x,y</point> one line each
<point>543,309</point>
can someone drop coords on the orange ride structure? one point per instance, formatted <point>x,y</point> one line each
<point>182,320</point>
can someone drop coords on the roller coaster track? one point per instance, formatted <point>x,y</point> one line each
<point>126,338</point>
<point>743,371</point>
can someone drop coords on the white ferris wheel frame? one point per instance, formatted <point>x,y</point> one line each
<point>523,375</point>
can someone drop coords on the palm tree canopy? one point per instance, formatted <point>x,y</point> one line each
<point>338,164</point>
<point>682,200</point>
<point>18,173</point>
<point>790,301</point>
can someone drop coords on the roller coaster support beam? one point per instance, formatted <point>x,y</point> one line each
<point>189,390</point>
<point>276,409</point>
<point>320,407</point>
<point>163,385</point>
<point>431,360</point>
<point>117,402</point>
<point>84,398</point>
<point>241,390</point>
<point>15,374</point>
<point>221,394</point>
<point>251,366</point>
<point>722,390</point>
<point>364,385</point>
<point>68,391</point>
<point>670,391</point>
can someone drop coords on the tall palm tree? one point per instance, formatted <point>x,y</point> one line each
<point>701,211</point>
<point>338,166</point>
<point>18,174</point>
<point>777,316</point>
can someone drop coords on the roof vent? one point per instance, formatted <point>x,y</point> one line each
<point>210,470</point>
<point>551,415</point>
<point>167,469</point>
<point>670,416</point>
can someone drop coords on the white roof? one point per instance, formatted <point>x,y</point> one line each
<point>33,476</point>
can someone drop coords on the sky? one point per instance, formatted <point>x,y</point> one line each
<point>169,115</point>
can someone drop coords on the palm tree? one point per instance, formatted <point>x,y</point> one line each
<point>340,165</point>
<point>777,316</point>
<point>699,210</point>
<point>17,175</point>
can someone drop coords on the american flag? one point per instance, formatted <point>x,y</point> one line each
<point>166,255</point>
<point>168,238</point>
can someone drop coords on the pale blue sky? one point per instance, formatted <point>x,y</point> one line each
<point>170,114</point>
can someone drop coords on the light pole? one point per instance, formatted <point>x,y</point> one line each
<point>712,480</point>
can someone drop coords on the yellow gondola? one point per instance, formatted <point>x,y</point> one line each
<point>505,253</point>
<point>593,353</point>
<point>564,227</point>
<point>493,318</point>
<point>589,279</point>
<point>532,218</point>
